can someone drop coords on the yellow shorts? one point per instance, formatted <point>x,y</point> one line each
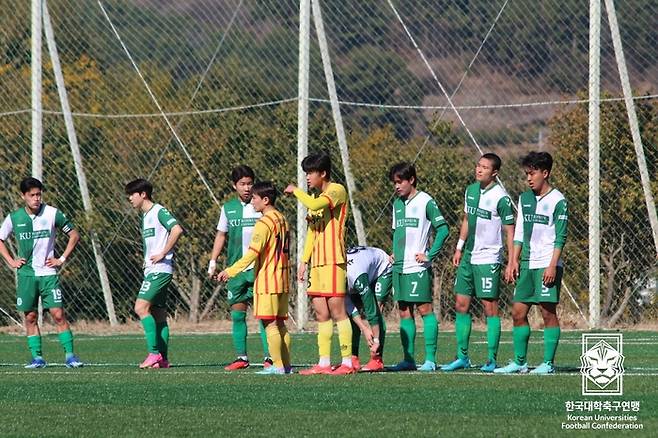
<point>271,306</point>
<point>327,281</point>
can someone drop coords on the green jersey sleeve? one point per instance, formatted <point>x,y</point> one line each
<point>166,219</point>
<point>505,211</point>
<point>440,227</point>
<point>62,222</point>
<point>560,219</point>
<point>361,285</point>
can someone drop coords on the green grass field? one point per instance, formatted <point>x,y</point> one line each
<point>196,397</point>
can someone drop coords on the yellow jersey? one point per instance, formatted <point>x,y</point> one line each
<point>327,215</point>
<point>269,250</point>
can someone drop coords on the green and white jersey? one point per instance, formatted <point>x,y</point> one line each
<point>486,211</point>
<point>366,261</point>
<point>412,220</point>
<point>237,219</point>
<point>156,226</point>
<point>541,226</point>
<point>35,237</point>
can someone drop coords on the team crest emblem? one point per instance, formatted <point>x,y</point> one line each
<point>602,364</point>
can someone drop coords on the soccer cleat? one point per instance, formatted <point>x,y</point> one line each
<point>151,359</point>
<point>271,370</point>
<point>237,364</point>
<point>427,366</point>
<point>488,367</point>
<point>544,368</point>
<point>375,364</point>
<point>355,363</point>
<point>512,368</point>
<point>457,364</point>
<point>316,369</point>
<point>267,362</point>
<point>343,370</point>
<point>74,362</point>
<point>288,370</point>
<point>37,362</point>
<point>405,365</point>
<point>164,363</point>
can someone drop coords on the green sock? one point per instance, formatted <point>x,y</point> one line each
<point>463,325</point>
<point>66,341</point>
<point>239,332</point>
<point>150,334</point>
<point>493,336</point>
<point>521,335</point>
<point>551,339</point>
<point>34,344</point>
<point>408,338</point>
<point>431,331</point>
<point>162,333</point>
<point>356,338</point>
<point>263,338</point>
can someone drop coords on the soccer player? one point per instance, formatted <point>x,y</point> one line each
<point>368,270</point>
<point>160,232</point>
<point>236,224</point>
<point>539,237</point>
<point>487,210</point>
<point>324,249</point>
<point>269,254</point>
<point>414,214</point>
<point>34,227</point>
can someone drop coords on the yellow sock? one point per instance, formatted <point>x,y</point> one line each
<point>285,348</point>
<point>325,332</point>
<point>274,344</point>
<point>345,337</point>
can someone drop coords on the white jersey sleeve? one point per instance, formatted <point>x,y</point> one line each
<point>222,225</point>
<point>6,228</point>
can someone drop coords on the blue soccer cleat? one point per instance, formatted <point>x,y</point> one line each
<point>36,363</point>
<point>512,368</point>
<point>544,368</point>
<point>488,367</point>
<point>272,370</point>
<point>74,362</point>
<point>457,364</point>
<point>405,365</point>
<point>427,366</point>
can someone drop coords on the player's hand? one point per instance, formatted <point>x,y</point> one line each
<point>421,257</point>
<point>457,257</point>
<point>301,272</point>
<point>391,258</point>
<point>17,263</point>
<point>367,334</point>
<point>222,276</point>
<point>290,189</point>
<point>549,276</point>
<point>374,346</point>
<point>157,257</point>
<point>211,268</point>
<point>53,263</point>
<point>511,272</point>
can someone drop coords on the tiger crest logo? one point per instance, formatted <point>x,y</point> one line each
<point>602,364</point>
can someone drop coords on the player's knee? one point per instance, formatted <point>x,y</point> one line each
<point>58,316</point>
<point>142,309</point>
<point>425,309</point>
<point>31,318</point>
<point>461,306</point>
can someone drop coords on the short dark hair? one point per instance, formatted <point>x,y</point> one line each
<point>496,162</point>
<point>538,161</point>
<point>320,162</point>
<point>242,171</point>
<point>265,189</point>
<point>403,171</point>
<point>30,183</point>
<point>140,185</point>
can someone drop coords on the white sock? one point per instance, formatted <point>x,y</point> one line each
<point>347,361</point>
<point>324,361</point>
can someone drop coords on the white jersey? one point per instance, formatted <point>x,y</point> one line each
<point>367,260</point>
<point>156,226</point>
<point>35,237</point>
<point>541,226</point>
<point>486,211</point>
<point>412,220</point>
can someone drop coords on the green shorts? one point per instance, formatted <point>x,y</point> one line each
<point>29,289</point>
<point>413,288</point>
<point>482,281</point>
<point>368,303</point>
<point>155,288</point>
<point>240,288</point>
<point>530,287</point>
<point>383,286</point>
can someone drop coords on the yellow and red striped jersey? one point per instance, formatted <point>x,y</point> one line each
<point>325,240</point>
<point>269,249</point>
